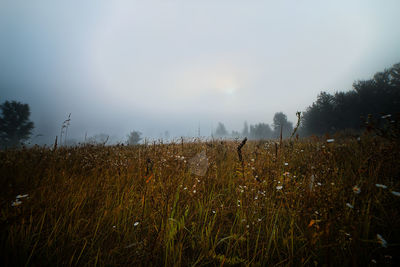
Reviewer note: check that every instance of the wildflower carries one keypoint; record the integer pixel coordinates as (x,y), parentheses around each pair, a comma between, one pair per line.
(256,197)
(386,116)
(252,160)
(319,184)
(185,188)
(397,194)
(381,240)
(213,211)
(356,189)
(136,224)
(279,187)
(259,219)
(349,205)
(247,226)
(286,164)
(330,140)
(194,191)
(21,196)
(381,186)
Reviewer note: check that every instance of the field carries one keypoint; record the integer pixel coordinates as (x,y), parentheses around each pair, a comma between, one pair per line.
(193,203)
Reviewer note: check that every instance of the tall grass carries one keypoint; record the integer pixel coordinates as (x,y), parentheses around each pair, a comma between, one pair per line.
(126,205)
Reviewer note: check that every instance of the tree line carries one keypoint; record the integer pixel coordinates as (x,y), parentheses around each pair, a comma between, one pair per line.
(376,97)
(330,113)
(260,130)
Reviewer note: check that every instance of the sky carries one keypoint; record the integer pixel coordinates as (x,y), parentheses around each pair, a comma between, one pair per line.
(177,66)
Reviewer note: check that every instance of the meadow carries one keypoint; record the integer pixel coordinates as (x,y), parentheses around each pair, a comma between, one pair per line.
(317,202)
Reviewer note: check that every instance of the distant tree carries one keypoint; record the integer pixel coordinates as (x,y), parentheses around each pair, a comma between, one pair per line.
(166,135)
(281,122)
(221,130)
(134,138)
(318,118)
(98,139)
(245,131)
(235,134)
(15,126)
(260,131)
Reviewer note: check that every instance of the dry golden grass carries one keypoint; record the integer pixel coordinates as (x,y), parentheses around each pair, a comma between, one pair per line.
(143,205)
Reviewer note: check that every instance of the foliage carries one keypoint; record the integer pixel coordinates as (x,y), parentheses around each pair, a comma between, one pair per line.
(260,131)
(306,202)
(15,126)
(134,138)
(281,123)
(345,110)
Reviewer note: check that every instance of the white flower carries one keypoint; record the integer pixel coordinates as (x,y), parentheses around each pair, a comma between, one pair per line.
(381,240)
(16,203)
(381,186)
(349,205)
(330,140)
(397,194)
(286,164)
(194,191)
(136,224)
(22,196)
(279,187)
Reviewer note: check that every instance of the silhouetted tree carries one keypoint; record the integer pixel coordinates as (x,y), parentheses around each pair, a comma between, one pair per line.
(260,131)
(134,138)
(343,110)
(281,122)
(15,126)
(221,130)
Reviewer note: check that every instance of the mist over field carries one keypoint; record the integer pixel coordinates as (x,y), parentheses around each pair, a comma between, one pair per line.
(182,67)
(199,133)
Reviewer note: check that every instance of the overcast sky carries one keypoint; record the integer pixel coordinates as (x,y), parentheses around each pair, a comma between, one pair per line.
(173,65)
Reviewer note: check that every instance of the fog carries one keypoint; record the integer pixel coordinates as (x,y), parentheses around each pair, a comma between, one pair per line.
(181,66)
